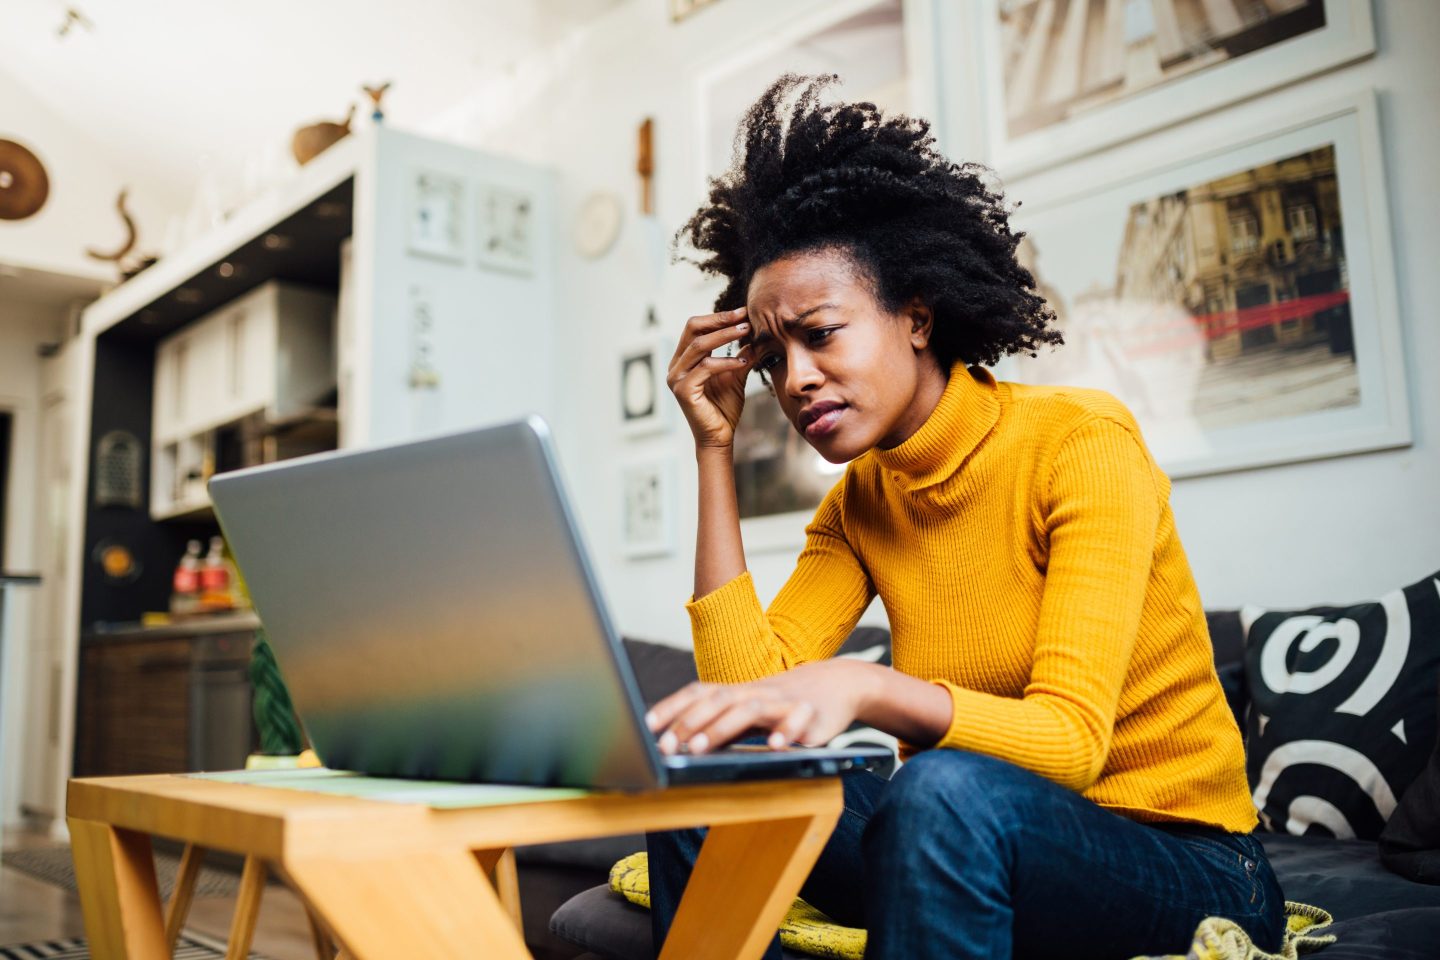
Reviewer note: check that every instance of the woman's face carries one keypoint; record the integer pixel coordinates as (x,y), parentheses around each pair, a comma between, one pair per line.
(848,374)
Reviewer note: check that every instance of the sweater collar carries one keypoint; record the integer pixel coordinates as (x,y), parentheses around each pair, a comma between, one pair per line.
(968,410)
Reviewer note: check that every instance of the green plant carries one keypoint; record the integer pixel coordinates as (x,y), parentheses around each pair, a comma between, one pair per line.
(274,714)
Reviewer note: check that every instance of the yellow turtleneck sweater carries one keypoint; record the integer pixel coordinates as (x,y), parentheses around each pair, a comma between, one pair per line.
(1023,545)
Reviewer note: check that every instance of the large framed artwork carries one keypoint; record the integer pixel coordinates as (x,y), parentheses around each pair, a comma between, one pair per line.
(1241,302)
(779,478)
(1068,77)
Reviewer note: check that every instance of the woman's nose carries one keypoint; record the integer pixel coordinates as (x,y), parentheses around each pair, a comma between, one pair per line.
(801,374)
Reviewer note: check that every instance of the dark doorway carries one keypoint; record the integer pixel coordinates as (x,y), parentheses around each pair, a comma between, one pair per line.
(1334,322)
(1254,295)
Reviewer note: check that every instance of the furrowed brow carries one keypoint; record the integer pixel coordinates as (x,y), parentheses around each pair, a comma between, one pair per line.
(765,336)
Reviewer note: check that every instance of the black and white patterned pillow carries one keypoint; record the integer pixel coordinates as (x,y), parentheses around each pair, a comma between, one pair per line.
(1342,709)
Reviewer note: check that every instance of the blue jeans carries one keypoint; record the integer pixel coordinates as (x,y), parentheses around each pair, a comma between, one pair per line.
(964,856)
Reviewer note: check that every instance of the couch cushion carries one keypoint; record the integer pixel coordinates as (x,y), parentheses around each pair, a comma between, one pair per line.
(660,670)
(1227,636)
(1342,709)
(607,924)
(1393,935)
(597,854)
(1344,877)
(1410,844)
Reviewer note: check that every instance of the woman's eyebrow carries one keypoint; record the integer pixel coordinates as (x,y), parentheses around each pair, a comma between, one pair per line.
(793,322)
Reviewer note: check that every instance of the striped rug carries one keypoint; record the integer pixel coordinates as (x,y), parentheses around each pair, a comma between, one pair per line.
(192,946)
(54,865)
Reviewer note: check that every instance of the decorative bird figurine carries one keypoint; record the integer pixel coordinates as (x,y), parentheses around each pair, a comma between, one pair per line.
(375,93)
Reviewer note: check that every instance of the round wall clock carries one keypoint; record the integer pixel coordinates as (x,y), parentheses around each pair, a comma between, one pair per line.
(597,224)
(24,185)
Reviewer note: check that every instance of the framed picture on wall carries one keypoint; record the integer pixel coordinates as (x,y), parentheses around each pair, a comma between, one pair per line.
(1068,77)
(1241,302)
(435,224)
(647,515)
(505,227)
(645,399)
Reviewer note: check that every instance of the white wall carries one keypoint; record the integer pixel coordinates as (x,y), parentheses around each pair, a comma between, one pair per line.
(80,210)
(1333,530)
(23,327)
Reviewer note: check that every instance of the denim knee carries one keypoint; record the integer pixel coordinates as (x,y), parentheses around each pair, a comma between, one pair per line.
(953,791)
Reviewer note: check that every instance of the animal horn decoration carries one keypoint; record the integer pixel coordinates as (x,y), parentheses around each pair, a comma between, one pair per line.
(130,234)
(375,93)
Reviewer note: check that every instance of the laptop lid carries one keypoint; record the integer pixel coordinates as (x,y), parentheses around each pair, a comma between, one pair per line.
(434,615)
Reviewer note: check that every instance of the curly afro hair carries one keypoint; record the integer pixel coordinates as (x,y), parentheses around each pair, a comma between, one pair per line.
(845,177)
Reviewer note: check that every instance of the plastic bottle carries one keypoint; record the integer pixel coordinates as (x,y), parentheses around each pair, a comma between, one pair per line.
(215,593)
(185,588)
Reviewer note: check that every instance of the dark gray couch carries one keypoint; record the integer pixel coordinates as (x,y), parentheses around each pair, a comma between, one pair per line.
(1379,915)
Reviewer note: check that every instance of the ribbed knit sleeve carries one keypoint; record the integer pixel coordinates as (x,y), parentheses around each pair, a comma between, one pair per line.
(1099,514)
(736,641)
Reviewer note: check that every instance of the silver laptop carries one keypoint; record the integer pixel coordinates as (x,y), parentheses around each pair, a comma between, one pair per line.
(435,617)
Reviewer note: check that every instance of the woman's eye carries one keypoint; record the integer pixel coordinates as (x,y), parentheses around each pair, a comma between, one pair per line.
(767,362)
(821,335)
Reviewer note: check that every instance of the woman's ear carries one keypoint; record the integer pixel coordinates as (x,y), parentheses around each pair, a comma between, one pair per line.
(922,323)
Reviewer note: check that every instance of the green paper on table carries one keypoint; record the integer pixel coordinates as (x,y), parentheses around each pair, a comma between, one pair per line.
(431,793)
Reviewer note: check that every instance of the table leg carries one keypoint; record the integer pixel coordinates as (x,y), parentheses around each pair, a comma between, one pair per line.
(184,892)
(115,872)
(435,904)
(499,866)
(247,909)
(745,879)
(324,946)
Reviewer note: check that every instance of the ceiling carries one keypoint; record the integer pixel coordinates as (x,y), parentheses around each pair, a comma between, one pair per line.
(173,89)
(21,286)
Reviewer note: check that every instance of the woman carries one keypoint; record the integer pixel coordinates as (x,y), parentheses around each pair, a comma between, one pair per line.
(1075,783)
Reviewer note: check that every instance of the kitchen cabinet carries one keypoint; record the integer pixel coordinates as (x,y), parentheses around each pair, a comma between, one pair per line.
(167,700)
(270,352)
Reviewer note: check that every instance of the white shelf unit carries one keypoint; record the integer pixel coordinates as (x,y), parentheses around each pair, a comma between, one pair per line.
(487,333)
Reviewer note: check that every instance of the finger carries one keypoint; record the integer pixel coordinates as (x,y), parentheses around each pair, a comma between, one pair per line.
(707,323)
(693,383)
(698,713)
(793,726)
(744,714)
(664,713)
(689,355)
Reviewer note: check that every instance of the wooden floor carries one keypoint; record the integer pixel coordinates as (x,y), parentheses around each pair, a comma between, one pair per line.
(32,910)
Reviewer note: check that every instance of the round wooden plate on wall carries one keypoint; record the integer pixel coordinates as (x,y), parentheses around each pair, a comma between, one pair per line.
(24,185)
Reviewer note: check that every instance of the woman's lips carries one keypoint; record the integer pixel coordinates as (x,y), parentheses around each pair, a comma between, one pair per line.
(824,424)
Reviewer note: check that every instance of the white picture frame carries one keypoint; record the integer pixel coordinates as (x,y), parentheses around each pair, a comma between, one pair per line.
(1074,224)
(1348,34)
(435,218)
(505,231)
(647,507)
(644,397)
(756,62)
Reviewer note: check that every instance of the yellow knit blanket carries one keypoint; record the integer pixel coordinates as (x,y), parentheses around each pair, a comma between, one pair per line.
(809,931)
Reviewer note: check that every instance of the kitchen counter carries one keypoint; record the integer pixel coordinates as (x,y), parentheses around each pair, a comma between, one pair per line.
(189,627)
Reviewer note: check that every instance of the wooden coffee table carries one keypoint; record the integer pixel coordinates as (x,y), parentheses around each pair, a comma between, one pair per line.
(394,881)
